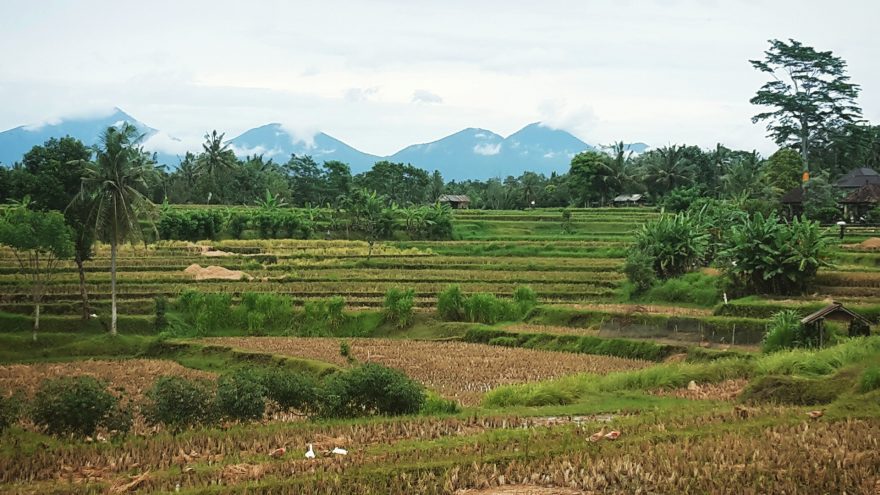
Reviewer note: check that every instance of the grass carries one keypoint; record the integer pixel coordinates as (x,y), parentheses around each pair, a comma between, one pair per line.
(800,362)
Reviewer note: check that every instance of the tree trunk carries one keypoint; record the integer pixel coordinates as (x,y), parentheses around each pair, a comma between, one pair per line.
(113,287)
(82,287)
(36,319)
(805,133)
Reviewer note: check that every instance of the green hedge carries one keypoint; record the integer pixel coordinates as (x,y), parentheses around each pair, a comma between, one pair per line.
(583,344)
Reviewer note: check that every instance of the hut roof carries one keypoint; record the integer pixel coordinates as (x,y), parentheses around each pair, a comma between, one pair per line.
(859,177)
(453,198)
(796,195)
(869,193)
(628,198)
(831,308)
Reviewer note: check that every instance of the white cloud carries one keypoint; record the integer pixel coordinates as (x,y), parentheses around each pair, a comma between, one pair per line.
(360,94)
(424,96)
(301,134)
(487,149)
(163,143)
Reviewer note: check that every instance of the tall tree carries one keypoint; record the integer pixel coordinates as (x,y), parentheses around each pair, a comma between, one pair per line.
(585,176)
(114,186)
(667,168)
(216,159)
(783,169)
(809,95)
(55,171)
(39,240)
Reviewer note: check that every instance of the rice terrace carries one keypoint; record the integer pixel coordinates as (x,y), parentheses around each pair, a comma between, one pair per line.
(282,313)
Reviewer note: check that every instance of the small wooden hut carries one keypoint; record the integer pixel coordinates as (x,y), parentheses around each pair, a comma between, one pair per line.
(836,312)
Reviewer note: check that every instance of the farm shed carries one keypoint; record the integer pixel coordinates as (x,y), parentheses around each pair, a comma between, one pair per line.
(457,201)
(858,324)
(857,178)
(859,202)
(629,200)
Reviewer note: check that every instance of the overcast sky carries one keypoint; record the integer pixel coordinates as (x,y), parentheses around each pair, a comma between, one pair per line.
(381,75)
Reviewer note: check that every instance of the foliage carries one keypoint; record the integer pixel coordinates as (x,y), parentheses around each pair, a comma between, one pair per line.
(398,307)
(784,332)
(39,240)
(436,405)
(639,270)
(486,308)
(870,380)
(768,256)
(322,314)
(450,303)
(241,395)
(809,95)
(690,288)
(189,225)
(370,389)
(291,391)
(179,403)
(161,320)
(820,200)
(783,169)
(792,390)
(260,311)
(72,405)
(10,408)
(524,298)
(676,244)
(206,312)
(681,198)
(586,175)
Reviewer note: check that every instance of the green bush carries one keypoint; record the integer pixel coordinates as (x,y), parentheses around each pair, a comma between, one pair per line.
(525,299)
(205,312)
(675,244)
(398,307)
(450,303)
(695,288)
(504,341)
(870,379)
(322,317)
(178,403)
(436,405)
(241,396)
(370,389)
(639,269)
(291,391)
(792,390)
(161,321)
(260,312)
(783,332)
(9,411)
(119,420)
(72,405)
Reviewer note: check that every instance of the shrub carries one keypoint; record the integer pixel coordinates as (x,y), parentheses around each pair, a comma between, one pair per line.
(675,244)
(504,341)
(435,405)
(119,420)
(525,299)
(259,312)
(870,379)
(345,351)
(177,402)
(72,405)
(322,315)
(696,288)
(450,303)
(241,396)
(768,256)
(370,389)
(206,312)
(399,307)
(783,332)
(639,270)
(792,390)
(291,391)
(486,308)
(9,411)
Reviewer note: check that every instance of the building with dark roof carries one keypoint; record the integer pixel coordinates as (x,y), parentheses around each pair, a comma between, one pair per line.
(858,177)
(858,203)
(457,201)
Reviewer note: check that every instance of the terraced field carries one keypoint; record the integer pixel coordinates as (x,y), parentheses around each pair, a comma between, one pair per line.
(496,252)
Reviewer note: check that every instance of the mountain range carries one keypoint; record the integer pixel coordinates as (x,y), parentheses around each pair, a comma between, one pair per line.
(471,153)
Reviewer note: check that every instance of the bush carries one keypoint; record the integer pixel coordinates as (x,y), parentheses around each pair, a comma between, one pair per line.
(260,312)
(291,391)
(695,288)
(9,411)
(178,403)
(639,270)
(72,405)
(161,321)
(322,316)
(870,379)
(486,308)
(399,307)
(241,396)
(450,303)
(525,299)
(767,256)
(206,312)
(435,405)
(370,389)
(119,420)
(504,341)
(675,244)
(792,390)
(783,332)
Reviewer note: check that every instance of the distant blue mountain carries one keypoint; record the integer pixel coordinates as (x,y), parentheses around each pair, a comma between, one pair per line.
(273,141)
(14,143)
(468,154)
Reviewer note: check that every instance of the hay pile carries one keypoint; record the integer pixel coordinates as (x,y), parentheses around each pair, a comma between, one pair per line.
(215,273)
(872,243)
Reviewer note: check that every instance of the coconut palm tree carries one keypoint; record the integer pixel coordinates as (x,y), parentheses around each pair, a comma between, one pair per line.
(114,186)
(216,158)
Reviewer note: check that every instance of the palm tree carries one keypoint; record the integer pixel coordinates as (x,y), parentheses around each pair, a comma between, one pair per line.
(668,168)
(113,186)
(215,158)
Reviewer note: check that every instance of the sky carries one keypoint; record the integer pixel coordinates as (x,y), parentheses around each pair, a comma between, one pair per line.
(381,75)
